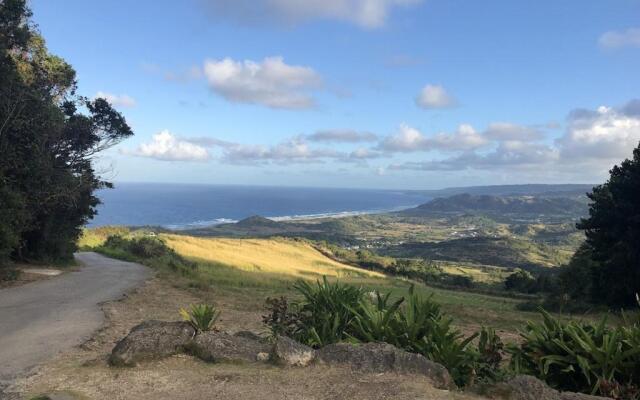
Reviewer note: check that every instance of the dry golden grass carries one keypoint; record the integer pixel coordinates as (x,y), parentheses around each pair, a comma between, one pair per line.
(274,256)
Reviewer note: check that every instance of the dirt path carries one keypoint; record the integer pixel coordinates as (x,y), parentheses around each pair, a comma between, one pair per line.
(41,319)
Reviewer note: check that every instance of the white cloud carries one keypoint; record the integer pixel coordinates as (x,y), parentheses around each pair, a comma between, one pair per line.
(292,151)
(502,131)
(606,134)
(507,155)
(167,147)
(435,96)
(271,83)
(408,139)
(342,136)
(364,13)
(617,39)
(594,141)
(122,100)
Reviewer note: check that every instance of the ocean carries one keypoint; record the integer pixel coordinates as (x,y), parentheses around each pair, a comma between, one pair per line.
(183,206)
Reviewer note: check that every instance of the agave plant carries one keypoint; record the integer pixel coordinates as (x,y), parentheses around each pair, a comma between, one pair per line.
(580,356)
(326,311)
(201,316)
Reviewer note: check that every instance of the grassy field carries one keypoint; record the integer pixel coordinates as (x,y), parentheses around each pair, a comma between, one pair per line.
(250,270)
(285,257)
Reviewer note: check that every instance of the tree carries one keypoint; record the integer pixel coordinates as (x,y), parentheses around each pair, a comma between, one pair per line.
(613,235)
(48,137)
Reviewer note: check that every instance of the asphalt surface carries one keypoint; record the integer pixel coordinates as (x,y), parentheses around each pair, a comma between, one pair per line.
(40,319)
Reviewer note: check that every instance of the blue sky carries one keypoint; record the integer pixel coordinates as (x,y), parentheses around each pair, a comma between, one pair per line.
(359,93)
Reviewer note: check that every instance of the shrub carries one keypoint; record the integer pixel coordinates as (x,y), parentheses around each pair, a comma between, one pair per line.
(201,316)
(580,356)
(281,319)
(9,274)
(333,312)
(326,312)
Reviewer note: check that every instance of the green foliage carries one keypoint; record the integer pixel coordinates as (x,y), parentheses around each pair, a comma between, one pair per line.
(47,181)
(280,318)
(151,251)
(201,316)
(326,312)
(580,356)
(9,274)
(613,234)
(521,281)
(334,312)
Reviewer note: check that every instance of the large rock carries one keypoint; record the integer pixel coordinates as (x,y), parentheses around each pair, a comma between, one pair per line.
(287,351)
(151,340)
(220,346)
(525,387)
(383,357)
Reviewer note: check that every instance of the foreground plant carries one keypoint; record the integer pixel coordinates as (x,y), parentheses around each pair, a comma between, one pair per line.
(201,316)
(580,356)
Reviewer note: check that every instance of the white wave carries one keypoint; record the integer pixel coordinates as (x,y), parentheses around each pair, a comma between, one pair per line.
(285,218)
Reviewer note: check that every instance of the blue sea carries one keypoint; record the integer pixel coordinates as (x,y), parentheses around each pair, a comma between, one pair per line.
(183,206)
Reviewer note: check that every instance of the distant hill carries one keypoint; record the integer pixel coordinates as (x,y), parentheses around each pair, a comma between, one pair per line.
(504,205)
(501,252)
(257,221)
(540,190)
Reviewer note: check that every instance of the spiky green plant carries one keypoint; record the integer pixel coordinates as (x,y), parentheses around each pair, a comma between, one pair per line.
(580,356)
(201,316)
(326,311)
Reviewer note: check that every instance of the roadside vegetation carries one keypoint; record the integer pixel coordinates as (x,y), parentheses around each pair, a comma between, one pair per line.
(48,137)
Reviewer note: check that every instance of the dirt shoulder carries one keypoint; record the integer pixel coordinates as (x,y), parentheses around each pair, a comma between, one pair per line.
(84,370)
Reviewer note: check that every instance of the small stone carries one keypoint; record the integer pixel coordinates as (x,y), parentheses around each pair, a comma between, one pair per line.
(287,351)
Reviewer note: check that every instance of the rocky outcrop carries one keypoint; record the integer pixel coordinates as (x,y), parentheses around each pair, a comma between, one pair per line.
(151,340)
(288,352)
(382,357)
(525,387)
(221,346)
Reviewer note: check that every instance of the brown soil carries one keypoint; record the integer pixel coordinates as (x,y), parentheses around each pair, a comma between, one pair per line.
(85,371)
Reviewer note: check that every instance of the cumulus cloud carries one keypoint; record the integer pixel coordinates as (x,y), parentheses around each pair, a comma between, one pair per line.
(508,154)
(292,151)
(408,139)
(618,39)
(606,134)
(364,13)
(434,96)
(593,141)
(271,83)
(503,131)
(121,100)
(166,146)
(342,136)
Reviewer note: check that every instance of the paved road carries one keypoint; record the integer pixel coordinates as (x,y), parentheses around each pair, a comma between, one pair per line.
(40,319)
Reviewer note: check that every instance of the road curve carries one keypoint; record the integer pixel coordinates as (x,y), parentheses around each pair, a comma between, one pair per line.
(40,319)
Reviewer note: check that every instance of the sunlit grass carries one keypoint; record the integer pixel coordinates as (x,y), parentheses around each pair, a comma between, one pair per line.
(285,257)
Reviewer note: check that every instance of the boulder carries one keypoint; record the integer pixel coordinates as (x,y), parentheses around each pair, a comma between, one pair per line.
(287,351)
(251,335)
(383,357)
(525,387)
(221,346)
(151,340)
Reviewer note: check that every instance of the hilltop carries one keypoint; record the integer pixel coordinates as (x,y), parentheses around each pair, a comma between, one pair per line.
(503,205)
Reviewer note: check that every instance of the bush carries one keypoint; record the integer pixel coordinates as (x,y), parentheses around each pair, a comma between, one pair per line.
(326,314)
(9,274)
(581,356)
(333,312)
(150,251)
(201,316)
